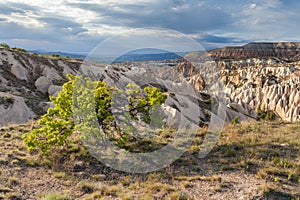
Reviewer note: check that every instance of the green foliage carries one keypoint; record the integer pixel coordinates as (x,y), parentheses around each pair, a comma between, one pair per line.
(7,99)
(94,98)
(19,49)
(265,114)
(235,120)
(4,45)
(56,125)
(55,55)
(141,102)
(100,94)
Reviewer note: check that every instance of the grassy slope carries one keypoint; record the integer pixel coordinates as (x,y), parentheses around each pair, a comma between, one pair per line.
(254,161)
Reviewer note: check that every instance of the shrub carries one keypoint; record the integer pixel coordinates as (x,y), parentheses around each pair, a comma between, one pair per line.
(7,101)
(265,114)
(140,105)
(19,49)
(4,45)
(58,124)
(55,55)
(235,120)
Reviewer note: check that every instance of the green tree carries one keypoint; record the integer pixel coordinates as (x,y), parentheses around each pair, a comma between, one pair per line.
(141,101)
(58,124)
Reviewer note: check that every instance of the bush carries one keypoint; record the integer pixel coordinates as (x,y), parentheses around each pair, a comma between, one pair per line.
(58,124)
(4,45)
(6,101)
(20,49)
(235,120)
(265,114)
(55,55)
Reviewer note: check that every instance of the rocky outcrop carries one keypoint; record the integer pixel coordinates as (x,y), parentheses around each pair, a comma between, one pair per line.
(13,109)
(42,84)
(283,50)
(29,80)
(265,76)
(187,98)
(249,83)
(53,90)
(263,86)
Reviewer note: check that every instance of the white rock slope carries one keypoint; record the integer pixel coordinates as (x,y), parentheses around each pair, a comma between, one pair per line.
(266,84)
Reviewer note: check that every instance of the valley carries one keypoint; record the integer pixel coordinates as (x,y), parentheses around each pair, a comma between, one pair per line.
(251,93)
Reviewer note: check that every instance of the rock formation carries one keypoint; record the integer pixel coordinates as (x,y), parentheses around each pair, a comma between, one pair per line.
(264,86)
(283,50)
(28,80)
(264,76)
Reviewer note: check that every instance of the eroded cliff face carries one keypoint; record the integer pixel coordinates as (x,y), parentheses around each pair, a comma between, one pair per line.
(272,83)
(26,81)
(265,85)
(264,76)
(283,50)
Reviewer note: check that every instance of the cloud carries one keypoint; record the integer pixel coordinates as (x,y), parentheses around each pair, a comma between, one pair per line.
(177,15)
(267,20)
(79,25)
(14,7)
(252,6)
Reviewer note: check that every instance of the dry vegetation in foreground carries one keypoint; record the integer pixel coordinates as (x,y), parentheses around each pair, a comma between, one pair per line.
(251,161)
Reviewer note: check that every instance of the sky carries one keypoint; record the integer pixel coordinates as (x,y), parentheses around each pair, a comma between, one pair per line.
(81,25)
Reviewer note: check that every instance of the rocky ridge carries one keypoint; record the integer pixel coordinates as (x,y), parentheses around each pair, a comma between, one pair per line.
(267,83)
(265,76)
(26,81)
(283,50)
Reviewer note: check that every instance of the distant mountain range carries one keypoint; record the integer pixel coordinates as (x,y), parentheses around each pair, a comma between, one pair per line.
(287,50)
(147,54)
(148,57)
(61,54)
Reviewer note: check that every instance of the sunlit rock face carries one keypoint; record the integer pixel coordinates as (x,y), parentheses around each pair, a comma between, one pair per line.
(263,76)
(273,86)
